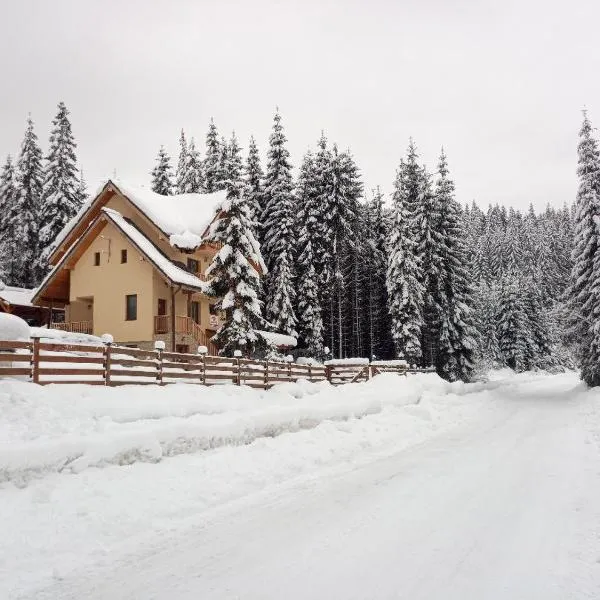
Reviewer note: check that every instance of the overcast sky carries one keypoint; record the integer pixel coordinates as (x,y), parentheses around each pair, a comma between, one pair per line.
(500,84)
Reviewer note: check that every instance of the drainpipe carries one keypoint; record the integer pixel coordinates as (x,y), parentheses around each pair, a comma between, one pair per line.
(173,292)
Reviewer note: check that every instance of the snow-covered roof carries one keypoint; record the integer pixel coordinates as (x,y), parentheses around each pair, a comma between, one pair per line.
(280,340)
(16,296)
(182,217)
(171,271)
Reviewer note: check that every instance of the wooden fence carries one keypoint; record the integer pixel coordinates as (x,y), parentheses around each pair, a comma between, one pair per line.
(49,362)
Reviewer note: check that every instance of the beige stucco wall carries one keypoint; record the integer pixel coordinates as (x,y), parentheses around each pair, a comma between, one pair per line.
(109,284)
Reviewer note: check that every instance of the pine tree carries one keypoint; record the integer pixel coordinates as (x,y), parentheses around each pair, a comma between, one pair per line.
(222,169)
(233,167)
(310,320)
(60,199)
(192,180)
(452,293)
(584,290)
(82,192)
(24,218)
(253,191)
(234,278)
(211,163)
(278,220)
(378,322)
(181,173)
(162,174)
(9,261)
(404,277)
(513,332)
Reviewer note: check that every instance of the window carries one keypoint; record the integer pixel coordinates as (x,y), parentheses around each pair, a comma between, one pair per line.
(182,348)
(123,256)
(195,311)
(212,308)
(131,307)
(162,307)
(96,259)
(192,265)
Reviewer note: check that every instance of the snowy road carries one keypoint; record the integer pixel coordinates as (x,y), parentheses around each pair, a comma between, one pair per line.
(504,507)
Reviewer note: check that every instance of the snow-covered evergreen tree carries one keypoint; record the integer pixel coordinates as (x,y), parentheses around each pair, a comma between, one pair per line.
(310,320)
(404,276)
(452,293)
(60,199)
(279,243)
(25,214)
(181,173)
(222,172)
(253,177)
(82,191)
(192,179)
(9,254)
(513,333)
(162,174)
(211,164)
(584,290)
(232,165)
(377,316)
(233,275)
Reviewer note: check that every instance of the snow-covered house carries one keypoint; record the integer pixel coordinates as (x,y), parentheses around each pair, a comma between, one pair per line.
(132,264)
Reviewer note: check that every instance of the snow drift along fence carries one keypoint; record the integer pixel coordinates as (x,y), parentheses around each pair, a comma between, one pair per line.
(52,362)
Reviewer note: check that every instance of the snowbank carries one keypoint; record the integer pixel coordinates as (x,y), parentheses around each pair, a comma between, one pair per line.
(341,362)
(71,428)
(13,328)
(66,337)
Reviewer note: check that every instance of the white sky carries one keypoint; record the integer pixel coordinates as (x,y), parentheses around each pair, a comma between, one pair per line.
(499,83)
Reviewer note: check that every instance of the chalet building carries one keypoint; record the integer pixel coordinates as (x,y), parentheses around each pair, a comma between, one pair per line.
(132,263)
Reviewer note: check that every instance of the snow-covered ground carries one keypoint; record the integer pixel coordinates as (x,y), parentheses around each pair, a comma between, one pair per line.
(401,487)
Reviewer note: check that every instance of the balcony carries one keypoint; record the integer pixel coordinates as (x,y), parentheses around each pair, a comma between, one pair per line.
(75,327)
(185,326)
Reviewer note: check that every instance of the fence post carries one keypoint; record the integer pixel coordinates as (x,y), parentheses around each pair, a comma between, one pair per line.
(309,372)
(237,378)
(266,381)
(107,362)
(328,373)
(159,346)
(203,351)
(35,360)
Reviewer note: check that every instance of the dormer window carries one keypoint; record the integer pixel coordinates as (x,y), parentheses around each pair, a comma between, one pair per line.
(96,259)
(193,266)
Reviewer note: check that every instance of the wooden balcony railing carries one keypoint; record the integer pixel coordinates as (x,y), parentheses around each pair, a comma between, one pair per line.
(185,326)
(75,326)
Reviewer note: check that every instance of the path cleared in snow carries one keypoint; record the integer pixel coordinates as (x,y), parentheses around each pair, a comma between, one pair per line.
(493,495)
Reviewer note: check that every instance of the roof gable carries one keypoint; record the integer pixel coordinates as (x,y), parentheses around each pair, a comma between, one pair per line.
(183,219)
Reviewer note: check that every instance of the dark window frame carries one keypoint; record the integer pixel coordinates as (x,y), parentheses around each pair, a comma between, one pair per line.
(193,265)
(131,310)
(96,259)
(123,256)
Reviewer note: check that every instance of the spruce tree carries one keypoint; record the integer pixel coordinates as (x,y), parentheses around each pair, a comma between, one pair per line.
(9,261)
(310,320)
(278,221)
(60,199)
(584,289)
(222,168)
(233,275)
(181,173)
(253,177)
(452,293)
(192,182)
(24,218)
(211,164)
(233,167)
(404,276)
(162,174)
(513,332)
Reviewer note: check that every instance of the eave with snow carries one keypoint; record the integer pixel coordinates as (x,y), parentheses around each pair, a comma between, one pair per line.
(18,301)
(129,242)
